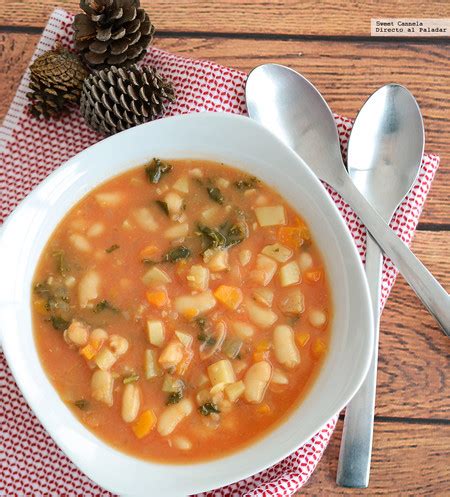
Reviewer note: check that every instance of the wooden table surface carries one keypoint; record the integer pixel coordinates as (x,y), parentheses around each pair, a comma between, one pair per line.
(330,43)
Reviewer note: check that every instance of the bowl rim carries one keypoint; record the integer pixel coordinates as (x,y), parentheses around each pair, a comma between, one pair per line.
(239,123)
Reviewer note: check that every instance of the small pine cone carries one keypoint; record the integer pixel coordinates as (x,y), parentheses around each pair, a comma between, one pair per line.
(56,80)
(112,32)
(115,99)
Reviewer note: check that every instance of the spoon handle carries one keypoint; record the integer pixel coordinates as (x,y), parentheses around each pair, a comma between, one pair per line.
(356,442)
(427,288)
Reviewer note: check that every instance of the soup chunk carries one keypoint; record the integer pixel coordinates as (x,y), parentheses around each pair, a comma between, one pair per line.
(181,310)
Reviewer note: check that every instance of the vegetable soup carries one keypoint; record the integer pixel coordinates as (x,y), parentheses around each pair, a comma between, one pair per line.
(181,310)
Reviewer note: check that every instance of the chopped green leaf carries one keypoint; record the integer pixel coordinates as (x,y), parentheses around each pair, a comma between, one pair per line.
(156,169)
(207,339)
(247,183)
(174,397)
(225,236)
(130,378)
(59,323)
(208,408)
(163,205)
(44,290)
(61,263)
(177,254)
(236,233)
(215,194)
(213,238)
(202,323)
(104,305)
(112,248)
(82,404)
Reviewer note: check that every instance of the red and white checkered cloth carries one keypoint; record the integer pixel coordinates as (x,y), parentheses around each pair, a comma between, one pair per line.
(31,463)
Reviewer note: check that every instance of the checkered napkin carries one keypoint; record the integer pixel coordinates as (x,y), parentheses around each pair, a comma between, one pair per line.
(31,463)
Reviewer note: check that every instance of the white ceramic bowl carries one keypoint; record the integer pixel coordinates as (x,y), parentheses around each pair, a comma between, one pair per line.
(237,141)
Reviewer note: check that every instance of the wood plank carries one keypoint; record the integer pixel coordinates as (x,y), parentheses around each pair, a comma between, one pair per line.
(307,17)
(407,460)
(345,72)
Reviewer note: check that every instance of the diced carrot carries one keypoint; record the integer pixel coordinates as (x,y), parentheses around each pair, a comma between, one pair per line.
(157,298)
(318,348)
(40,307)
(191,313)
(231,296)
(304,230)
(302,338)
(90,350)
(260,356)
(148,252)
(144,424)
(314,275)
(290,236)
(263,409)
(263,345)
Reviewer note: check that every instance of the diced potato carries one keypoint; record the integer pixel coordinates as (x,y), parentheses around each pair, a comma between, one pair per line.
(105,359)
(156,276)
(293,302)
(243,330)
(305,261)
(256,380)
(221,372)
(80,242)
(235,390)
(196,172)
(109,199)
(279,377)
(194,305)
(177,231)
(245,256)
(131,401)
(151,367)
(230,296)
(217,388)
(182,184)
(284,345)
(210,216)
(173,415)
(184,338)
(96,229)
(262,317)
(290,274)
(198,278)
(172,384)
(145,219)
(263,296)
(317,318)
(102,384)
(77,334)
(155,330)
(264,271)
(174,204)
(217,260)
(270,215)
(171,355)
(278,252)
(88,288)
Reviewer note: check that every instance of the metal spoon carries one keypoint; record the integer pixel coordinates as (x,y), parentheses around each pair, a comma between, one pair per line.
(384,156)
(292,108)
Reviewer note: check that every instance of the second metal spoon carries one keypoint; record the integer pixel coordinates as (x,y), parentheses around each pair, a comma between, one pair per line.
(383,174)
(294,110)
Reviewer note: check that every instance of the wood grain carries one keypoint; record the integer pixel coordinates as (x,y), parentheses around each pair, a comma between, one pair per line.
(346,73)
(294,17)
(408,460)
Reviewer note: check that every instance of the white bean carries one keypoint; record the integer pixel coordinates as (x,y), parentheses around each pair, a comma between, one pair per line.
(102,383)
(88,288)
(279,377)
(182,443)
(118,344)
(261,316)
(109,199)
(173,415)
(317,318)
(131,401)
(99,335)
(145,219)
(305,261)
(77,334)
(256,380)
(80,242)
(96,229)
(284,346)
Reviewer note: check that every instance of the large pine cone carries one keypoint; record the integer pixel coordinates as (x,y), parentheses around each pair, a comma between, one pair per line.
(115,99)
(56,81)
(112,32)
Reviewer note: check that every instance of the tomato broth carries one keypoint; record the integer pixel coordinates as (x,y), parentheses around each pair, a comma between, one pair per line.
(181,310)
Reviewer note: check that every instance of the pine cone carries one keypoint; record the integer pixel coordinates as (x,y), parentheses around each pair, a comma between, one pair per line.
(56,81)
(112,32)
(115,99)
